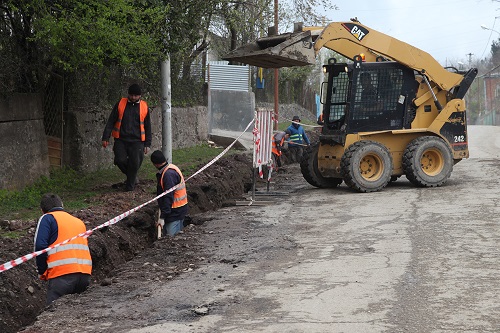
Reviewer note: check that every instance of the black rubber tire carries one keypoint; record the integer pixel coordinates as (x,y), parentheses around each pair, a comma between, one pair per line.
(367,166)
(428,161)
(310,171)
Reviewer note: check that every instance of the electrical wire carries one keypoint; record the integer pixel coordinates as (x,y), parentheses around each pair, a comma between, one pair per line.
(489,38)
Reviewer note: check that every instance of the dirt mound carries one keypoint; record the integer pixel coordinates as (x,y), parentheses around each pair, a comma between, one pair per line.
(22,294)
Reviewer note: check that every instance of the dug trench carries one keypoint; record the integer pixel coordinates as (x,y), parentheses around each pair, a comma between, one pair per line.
(22,294)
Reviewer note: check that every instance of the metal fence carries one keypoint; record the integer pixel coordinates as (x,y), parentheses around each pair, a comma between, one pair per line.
(53,101)
(229,77)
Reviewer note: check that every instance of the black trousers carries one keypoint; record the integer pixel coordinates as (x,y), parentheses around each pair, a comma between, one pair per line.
(128,158)
(74,283)
(295,153)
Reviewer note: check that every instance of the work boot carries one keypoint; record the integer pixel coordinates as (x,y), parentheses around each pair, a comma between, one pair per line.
(119,185)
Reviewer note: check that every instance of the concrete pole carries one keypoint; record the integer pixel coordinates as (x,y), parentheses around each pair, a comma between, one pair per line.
(276,72)
(166,108)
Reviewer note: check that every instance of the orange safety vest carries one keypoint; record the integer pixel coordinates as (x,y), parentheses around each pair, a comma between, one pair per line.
(180,193)
(143,108)
(275,150)
(72,257)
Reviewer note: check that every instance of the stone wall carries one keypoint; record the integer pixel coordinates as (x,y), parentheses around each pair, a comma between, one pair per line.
(23,148)
(83,133)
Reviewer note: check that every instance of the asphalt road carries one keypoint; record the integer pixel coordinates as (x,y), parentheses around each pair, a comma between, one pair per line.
(406,259)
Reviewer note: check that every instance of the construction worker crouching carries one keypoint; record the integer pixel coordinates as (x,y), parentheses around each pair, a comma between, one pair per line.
(66,267)
(174,205)
(277,146)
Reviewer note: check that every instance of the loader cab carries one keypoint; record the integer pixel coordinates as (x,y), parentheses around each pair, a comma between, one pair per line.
(366,97)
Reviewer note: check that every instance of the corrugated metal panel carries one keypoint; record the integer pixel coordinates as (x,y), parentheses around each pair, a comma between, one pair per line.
(229,77)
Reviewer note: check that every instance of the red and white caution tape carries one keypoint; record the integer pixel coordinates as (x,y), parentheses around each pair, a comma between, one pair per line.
(263,135)
(13,263)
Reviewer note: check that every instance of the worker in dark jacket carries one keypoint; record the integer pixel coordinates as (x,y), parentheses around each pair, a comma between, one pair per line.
(297,139)
(66,267)
(173,205)
(130,126)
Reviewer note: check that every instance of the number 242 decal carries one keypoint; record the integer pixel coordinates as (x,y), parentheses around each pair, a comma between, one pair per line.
(459,138)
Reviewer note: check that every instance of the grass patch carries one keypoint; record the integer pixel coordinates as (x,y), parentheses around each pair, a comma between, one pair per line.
(12,234)
(75,187)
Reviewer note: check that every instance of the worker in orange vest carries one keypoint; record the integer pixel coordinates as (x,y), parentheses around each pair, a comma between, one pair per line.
(130,125)
(174,205)
(320,119)
(67,267)
(279,139)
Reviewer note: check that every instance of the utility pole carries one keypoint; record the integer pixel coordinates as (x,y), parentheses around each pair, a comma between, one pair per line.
(276,72)
(166,107)
(470,58)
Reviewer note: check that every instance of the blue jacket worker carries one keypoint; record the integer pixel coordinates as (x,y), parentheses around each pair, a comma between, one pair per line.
(298,138)
(174,205)
(67,267)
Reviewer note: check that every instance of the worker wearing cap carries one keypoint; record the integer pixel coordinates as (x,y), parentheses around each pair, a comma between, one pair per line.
(298,139)
(130,126)
(173,205)
(68,266)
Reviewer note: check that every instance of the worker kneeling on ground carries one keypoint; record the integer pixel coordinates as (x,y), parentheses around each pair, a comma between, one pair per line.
(66,267)
(173,205)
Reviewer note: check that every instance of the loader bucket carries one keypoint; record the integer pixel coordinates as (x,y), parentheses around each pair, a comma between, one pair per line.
(285,50)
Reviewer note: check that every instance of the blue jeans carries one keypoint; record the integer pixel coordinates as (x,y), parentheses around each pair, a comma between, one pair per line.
(172,228)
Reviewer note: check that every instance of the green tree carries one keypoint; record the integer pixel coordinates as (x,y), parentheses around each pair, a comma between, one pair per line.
(89,37)
(64,36)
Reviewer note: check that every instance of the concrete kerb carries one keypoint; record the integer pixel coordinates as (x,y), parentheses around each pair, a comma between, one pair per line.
(225,138)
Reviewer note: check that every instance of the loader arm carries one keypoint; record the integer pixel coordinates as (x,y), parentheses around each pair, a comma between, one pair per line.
(353,38)
(346,38)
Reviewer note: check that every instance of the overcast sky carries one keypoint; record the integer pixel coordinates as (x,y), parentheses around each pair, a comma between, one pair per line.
(446,29)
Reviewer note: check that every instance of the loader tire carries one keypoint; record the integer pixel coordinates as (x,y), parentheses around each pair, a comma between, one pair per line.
(428,161)
(310,171)
(367,166)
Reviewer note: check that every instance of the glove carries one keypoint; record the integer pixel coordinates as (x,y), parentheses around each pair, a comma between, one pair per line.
(146,149)
(105,144)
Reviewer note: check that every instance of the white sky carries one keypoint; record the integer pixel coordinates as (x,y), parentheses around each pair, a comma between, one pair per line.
(446,29)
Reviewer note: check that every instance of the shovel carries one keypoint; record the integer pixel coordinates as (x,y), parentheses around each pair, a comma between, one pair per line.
(158,227)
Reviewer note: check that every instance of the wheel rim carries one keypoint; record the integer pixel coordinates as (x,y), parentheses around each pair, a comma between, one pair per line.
(371,167)
(432,162)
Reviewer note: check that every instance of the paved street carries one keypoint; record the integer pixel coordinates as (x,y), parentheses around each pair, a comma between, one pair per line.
(402,260)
